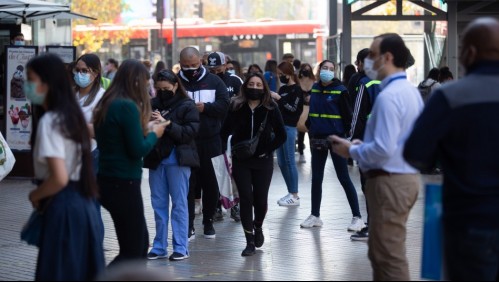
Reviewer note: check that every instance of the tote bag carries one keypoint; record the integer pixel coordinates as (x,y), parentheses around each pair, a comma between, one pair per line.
(432,258)
(7,159)
(222,164)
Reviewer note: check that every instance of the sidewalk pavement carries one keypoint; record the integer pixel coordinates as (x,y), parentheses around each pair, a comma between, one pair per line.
(289,253)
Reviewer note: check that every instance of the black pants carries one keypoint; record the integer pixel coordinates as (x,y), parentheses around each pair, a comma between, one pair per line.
(253,179)
(205,177)
(123,199)
(363,181)
(301,142)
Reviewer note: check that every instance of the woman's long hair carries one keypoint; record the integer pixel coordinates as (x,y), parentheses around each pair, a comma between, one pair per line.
(237,67)
(288,69)
(159,67)
(240,100)
(302,68)
(94,64)
(130,82)
(172,78)
(60,100)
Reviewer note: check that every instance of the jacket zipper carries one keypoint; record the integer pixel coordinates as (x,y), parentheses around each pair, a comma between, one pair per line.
(252,122)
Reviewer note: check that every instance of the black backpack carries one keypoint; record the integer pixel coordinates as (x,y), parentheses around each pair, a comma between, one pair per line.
(425,90)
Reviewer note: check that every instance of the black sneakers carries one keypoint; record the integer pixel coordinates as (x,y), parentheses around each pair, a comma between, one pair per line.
(178,257)
(192,234)
(362,235)
(259,238)
(249,251)
(235,213)
(153,256)
(209,231)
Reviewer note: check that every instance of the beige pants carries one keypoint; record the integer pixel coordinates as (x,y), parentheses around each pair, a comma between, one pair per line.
(390,200)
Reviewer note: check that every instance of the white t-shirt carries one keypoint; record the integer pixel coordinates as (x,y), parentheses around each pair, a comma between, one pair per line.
(50,143)
(88,111)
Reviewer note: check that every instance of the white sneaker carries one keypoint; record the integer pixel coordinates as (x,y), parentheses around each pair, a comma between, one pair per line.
(198,208)
(356,225)
(302,159)
(312,221)
(289,200)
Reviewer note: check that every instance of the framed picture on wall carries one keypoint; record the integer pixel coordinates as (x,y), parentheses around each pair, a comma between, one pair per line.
(66,53)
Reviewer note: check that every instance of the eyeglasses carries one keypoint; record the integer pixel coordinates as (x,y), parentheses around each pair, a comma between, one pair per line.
(83,71)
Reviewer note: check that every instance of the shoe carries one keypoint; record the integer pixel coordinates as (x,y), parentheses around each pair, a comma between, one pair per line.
(312,221)
(178,257)
(153,256)
(259,238)
(362,235)
(350,161)
(192,234)
(235,213)
(218,216)
(289,200)
(209,231)
(356,225)
(249,251)
(198,208)
(302,159)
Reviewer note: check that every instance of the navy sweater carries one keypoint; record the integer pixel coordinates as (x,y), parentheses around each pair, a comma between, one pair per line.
(460,128)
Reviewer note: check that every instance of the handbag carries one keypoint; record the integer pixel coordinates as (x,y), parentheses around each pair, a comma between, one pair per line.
(246,149)
(32,230)
(229,195)
(320,144)
(7,159)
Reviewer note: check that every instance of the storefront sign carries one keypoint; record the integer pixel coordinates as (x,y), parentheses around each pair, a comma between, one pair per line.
(17,107)
(66,53)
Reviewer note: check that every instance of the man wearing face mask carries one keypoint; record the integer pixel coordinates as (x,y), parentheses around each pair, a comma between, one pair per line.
(18,40)
(459,129)
(212,101)
(217,65)
(392,185)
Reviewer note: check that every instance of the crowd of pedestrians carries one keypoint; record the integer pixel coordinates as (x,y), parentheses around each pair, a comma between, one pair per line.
(98,127)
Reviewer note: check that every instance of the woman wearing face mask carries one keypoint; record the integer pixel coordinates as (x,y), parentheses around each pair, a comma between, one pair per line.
(70,240)
(291,107)
(124,136)
(307,79)
(247,114)
(87,77)
(170,165)
(329,113)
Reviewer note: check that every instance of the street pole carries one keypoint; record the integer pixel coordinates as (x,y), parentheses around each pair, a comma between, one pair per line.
(175,39)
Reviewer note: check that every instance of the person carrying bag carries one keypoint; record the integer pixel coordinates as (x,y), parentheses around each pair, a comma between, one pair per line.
(7,159)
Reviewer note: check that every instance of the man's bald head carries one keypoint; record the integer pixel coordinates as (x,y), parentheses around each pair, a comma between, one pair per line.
(480,42)
(190,58)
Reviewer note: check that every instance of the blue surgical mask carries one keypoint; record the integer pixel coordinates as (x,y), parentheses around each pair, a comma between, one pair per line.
(30,92)
(82,80)
(19,43)
(326,75)
(231,71)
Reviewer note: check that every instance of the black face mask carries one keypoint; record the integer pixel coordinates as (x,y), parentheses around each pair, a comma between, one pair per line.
(305,73)
(165,95)
(191,74)
(254,94)
(221,75)
(283,79)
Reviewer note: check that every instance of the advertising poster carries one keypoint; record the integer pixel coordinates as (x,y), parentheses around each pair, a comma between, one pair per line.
(18,108)
(66,53)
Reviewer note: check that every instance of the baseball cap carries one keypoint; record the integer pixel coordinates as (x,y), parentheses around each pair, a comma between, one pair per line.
(216,59)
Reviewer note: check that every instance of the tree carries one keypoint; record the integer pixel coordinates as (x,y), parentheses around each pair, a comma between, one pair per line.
(106,12)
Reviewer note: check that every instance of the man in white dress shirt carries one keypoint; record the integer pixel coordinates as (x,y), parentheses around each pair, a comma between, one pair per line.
(392,184)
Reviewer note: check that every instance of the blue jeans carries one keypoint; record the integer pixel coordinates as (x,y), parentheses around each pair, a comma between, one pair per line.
(319,159)
(170,180)
(472,254)
(287,162)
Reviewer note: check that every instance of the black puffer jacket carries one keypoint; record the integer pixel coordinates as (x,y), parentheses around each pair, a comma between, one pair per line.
(180,134)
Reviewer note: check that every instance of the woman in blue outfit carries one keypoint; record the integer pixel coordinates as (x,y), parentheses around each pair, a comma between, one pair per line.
(70,242)
(291,106)
(329,114)
(170,165)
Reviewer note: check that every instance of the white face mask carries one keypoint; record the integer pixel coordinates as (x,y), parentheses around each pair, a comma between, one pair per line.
(369,69)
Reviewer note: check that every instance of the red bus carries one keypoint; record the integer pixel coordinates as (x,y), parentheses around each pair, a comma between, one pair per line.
(247,42)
